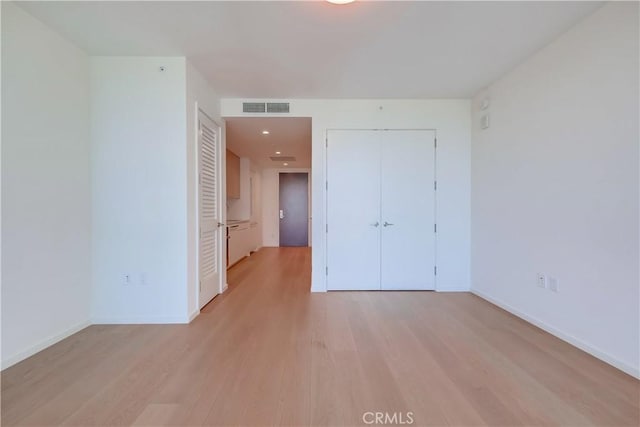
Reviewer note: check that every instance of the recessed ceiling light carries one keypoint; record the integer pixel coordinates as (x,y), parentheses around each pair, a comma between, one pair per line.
(265,132)
(340,1)
(286,164)
(277,152)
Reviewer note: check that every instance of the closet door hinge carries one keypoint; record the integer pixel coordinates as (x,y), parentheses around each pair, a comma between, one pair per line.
(326,185)
(435,185)
(326,228)
(435,142)
(326,271)
(435,228)
(435,270)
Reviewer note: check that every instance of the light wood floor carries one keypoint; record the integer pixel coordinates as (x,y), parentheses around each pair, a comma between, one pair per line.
(268,352)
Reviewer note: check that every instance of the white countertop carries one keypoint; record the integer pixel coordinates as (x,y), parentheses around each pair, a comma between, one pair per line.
(236,221)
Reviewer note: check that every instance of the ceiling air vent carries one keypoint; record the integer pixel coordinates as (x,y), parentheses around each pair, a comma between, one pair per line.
(277,107)
(283,158)
(253,107)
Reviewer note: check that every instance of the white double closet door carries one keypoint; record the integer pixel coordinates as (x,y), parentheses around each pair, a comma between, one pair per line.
(380,210)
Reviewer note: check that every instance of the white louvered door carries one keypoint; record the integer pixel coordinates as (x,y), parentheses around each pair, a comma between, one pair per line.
(209,209)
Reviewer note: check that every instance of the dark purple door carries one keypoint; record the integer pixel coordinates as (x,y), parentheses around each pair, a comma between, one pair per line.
(294,209)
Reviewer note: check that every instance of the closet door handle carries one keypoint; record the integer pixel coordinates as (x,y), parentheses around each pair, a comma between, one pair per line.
(375,224)
(387,224)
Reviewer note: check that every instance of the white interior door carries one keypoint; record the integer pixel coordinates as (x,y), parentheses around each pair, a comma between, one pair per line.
(353,210)
(407,210)
(209,209)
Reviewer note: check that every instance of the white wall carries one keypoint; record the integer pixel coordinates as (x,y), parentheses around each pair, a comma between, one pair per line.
(200,95)
(240,209)
(271,205)
(139,189)
(555,187)
(46,233)
(256,208)
(450,118)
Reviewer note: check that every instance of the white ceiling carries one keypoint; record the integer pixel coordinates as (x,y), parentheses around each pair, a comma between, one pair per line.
(313,49)
(289,135)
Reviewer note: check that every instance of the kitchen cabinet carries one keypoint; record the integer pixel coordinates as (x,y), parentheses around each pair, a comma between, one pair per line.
(239,241)
(233,175)
(237,246)
(243,239)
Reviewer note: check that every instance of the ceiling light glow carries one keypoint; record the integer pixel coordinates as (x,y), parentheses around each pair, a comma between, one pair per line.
(265,132)
(286,164)
(340,1)
(277,152)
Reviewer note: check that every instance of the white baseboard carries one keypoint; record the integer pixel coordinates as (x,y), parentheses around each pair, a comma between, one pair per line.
(224,289)
(318,289)
(30,351)
(452,288)
(136,320)
(194,315)
(634,371)
(438,289)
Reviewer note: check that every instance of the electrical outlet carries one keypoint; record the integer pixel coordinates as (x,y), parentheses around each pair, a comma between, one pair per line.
(126,279)
(484,121)
(554,284)
(541,280)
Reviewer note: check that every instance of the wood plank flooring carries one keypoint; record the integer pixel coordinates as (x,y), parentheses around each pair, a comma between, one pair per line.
(267,352)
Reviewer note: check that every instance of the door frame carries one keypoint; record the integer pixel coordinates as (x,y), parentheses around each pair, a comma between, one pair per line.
(221,195)
(306,171)
(326,192)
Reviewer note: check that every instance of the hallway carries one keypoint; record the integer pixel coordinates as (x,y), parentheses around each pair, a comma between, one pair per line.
(267,352)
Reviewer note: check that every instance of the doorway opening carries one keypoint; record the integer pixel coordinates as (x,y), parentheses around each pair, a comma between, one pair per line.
(268,202)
